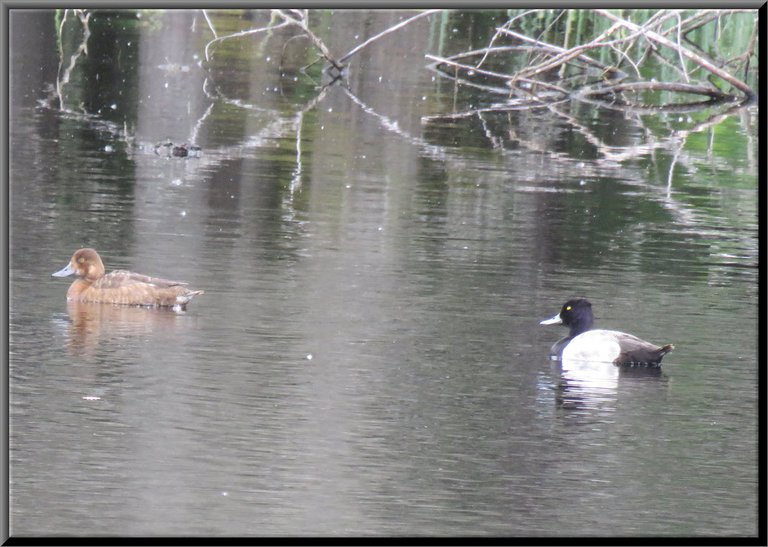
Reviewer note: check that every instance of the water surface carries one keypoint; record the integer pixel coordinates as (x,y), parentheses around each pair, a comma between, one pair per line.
(367,358)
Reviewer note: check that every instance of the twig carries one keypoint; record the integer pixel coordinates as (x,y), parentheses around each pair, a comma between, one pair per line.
(458,80)
(285,46)
(574,52)
(499,33)
(695,21)
(241,33)
(713,93)
(679,52)
(398,26)
(498,75)
(210,23)
(469,68)
(585,58)
(319,44)
(627,58)
(744,57)
(62,77)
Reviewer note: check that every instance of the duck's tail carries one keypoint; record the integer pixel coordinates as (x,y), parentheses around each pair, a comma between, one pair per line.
(183,299)
(648,356)
(663,350)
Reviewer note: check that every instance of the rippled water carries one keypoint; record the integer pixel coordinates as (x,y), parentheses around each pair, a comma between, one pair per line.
(367,357)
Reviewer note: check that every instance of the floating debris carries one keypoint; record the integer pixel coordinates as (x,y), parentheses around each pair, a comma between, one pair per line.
(185,150)
(174,67)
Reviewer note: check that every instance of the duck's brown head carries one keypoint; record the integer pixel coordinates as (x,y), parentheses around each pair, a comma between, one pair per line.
(85,263)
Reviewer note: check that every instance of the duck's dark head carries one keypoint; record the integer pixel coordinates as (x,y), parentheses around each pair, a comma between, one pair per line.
(575,314)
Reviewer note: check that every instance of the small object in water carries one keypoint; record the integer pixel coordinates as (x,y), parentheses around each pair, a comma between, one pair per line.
(181,151)
(169,149)
(163,147)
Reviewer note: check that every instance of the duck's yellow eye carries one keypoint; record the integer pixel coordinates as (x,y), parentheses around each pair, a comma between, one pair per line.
(567,308)
(80,260)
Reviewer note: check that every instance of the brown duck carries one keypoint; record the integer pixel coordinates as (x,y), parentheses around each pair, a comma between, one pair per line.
(121,286)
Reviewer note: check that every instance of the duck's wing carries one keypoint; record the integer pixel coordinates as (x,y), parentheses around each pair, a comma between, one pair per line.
(635,351)
(124,278)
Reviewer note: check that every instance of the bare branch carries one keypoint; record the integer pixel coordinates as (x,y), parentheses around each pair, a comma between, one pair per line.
(319,44)
(241,33)
(389,30)
(711,92)
(585,58)
(697,59)
(679,45)
(210,23)
(506,77)
(499,33)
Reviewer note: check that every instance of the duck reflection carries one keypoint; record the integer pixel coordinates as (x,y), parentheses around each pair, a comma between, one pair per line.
(594,385)
(92,323)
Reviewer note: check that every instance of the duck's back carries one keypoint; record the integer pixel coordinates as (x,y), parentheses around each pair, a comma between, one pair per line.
(614,346)
(125,278)
(125,287)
